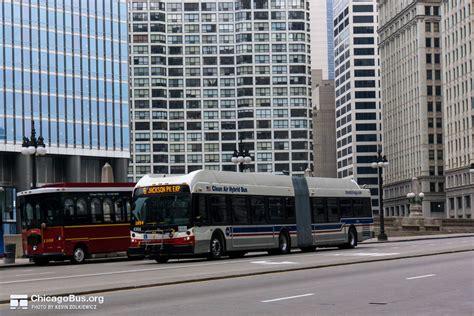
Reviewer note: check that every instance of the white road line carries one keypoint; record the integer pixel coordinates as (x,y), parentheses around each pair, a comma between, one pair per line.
(34,273)
(112,273)
(421,276)
(287,298)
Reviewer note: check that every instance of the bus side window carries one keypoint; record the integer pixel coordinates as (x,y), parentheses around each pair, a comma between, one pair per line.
(218,209)
(358,207)
(345,206)
(108,208)
(276,210)
(290,210)
(333,210)
(200,210)
(81,211)
(239,210)
(96,211)
(257,207)
(319,210)
(119,210)
(128,209)
(68,210)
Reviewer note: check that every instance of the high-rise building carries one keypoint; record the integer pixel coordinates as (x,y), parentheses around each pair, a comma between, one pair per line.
(64,66)
(322,38)
(458,104)
(207,73)
(357,84)
(324,125)
(410,53)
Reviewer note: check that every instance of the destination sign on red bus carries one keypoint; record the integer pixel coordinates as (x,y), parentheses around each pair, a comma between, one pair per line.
(162,189)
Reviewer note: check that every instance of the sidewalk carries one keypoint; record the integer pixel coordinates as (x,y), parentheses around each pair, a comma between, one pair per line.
(23,262)
(420,237)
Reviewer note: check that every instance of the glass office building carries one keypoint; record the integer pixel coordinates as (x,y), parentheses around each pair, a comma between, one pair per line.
(64,65)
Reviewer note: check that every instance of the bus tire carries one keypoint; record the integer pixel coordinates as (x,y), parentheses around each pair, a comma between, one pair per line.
(79,255)
(284,245)
(41,261)
(351,239)
(216,247)
(162,259)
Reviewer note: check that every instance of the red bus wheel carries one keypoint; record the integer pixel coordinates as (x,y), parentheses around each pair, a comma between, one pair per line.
(79,255)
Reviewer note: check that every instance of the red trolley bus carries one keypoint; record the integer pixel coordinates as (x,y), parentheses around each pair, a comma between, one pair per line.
(75,221)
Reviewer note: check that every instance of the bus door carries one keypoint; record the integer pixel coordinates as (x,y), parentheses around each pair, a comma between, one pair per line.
(51,227)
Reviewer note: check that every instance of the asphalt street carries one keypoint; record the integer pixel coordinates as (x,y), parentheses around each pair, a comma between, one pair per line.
(431,285)
(97,277)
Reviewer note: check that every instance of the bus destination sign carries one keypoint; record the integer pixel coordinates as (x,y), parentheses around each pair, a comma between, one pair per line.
(162,189)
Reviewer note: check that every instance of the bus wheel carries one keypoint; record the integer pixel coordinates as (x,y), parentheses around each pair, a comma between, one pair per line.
(216,247)
(283,243)
(41,261)
(79,255)
(162,259)
(351,240)
(352,243)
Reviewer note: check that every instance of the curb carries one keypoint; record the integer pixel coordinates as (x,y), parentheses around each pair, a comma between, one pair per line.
(234,276)
(427,237)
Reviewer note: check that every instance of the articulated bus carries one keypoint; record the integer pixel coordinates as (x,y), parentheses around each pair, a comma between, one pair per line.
(214,213)
(76,221)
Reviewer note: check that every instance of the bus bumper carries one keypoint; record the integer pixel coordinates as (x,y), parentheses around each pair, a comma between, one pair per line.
(166,250)
(50,256)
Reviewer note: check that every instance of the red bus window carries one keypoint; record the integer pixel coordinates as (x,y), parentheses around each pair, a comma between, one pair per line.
(119,210)
(96,210)
(108,209)
(81,207)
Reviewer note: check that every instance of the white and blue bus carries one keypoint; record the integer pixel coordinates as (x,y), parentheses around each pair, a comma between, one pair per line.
(217,213)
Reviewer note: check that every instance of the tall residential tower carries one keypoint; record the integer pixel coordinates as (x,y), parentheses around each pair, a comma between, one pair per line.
(358,122)
(207,73)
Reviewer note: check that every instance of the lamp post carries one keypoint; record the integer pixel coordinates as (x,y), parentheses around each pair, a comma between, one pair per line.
(415,200)
(241,156)
(35,147)
(380,164)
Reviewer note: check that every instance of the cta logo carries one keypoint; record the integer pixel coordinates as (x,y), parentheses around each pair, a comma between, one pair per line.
(18,301)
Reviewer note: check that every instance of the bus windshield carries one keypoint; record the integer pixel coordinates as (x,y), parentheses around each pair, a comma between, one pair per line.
(163,209)
(34,212)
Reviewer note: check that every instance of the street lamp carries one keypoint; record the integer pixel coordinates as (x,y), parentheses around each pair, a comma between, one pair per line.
(33,146)
(380,164)
(241,156)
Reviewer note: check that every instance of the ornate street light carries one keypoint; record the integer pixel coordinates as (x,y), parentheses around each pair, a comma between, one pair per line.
(35,147)
(415,198)
(241,156)
(381,163)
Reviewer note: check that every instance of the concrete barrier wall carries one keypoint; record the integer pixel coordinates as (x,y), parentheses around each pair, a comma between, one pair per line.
(402,226)
(14,239)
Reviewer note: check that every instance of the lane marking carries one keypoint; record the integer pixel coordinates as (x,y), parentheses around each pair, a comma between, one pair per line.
(19,275)
(273,262)
(364,254)
(287,298)
(110,273)
(421,276)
